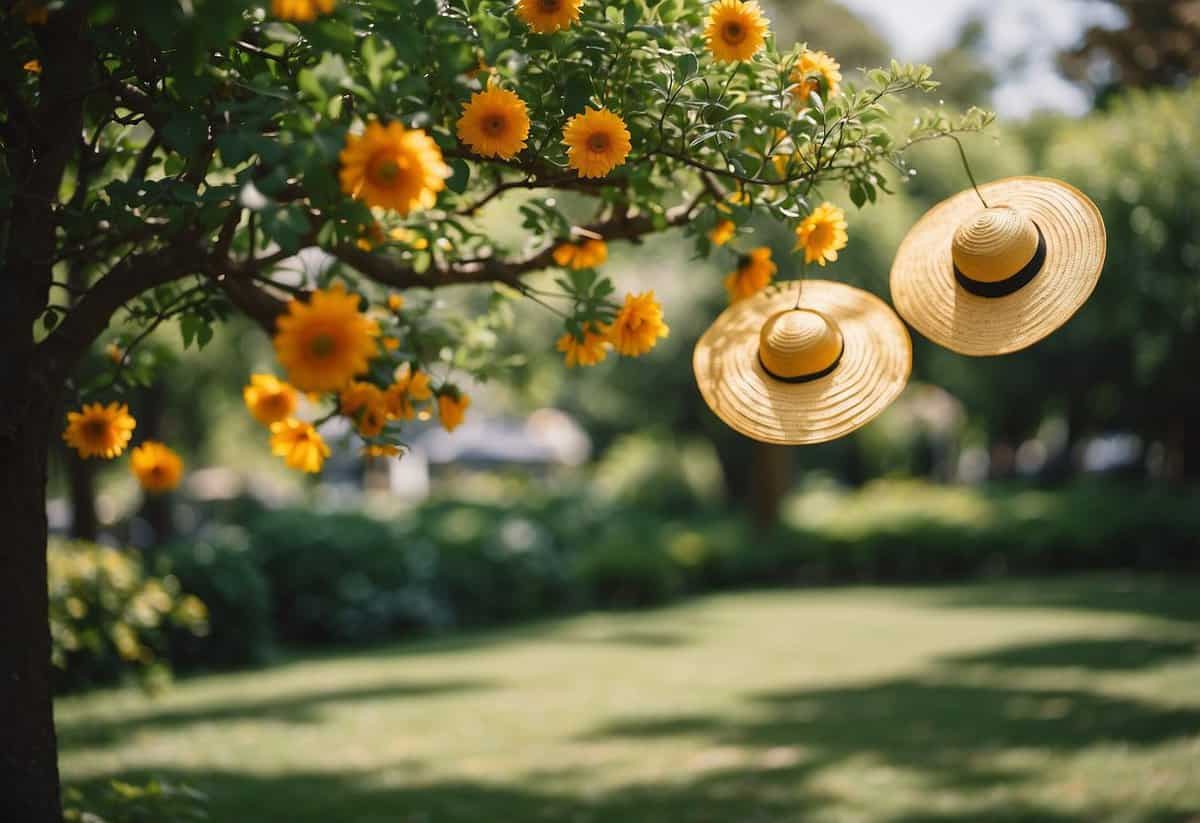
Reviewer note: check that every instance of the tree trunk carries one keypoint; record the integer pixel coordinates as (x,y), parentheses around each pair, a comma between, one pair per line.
(28,749)
(81,475)
(770,480)
(156,508)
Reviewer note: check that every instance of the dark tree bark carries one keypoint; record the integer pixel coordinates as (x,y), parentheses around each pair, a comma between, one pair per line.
(81,477)
(39,144)
(770,479)
(156,508)
(28,750)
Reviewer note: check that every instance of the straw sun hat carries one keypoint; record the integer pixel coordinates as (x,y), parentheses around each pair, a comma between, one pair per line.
(995,280)
(804,363)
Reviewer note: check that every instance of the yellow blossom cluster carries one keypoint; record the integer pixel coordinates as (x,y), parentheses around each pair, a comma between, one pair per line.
(104,431)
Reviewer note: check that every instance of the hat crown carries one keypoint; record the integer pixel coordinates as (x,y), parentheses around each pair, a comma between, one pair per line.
(994,244)
(798,343)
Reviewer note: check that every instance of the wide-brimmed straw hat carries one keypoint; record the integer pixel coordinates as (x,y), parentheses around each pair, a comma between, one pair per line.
(798,371)
(995,280)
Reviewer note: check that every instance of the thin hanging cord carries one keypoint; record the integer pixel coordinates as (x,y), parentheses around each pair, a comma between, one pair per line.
(967,168)
(800,284)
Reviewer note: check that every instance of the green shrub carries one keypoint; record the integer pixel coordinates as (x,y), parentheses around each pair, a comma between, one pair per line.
(494,566)
(345,577)
(109,618)
(218,567)
(120,802)
(627,566)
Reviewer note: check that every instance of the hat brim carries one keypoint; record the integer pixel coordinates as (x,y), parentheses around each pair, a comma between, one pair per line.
(874,368)
(927,295)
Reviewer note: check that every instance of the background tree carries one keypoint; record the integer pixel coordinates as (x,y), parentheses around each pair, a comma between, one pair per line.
(174,154)
(1156,44)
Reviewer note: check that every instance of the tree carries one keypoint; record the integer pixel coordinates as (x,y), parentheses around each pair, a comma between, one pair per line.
(172,155)
(1156,44)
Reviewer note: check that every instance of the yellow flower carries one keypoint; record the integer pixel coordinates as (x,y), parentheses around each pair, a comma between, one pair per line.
(390,343)
(269,399)
(409,387)
(452,408)
(365,403)
(815,71)
(157,468)
(299,444)
(723,232)
(114,353)
(638,326)
(822,234)
(495,123)
(409,238)
(735,30)
(99,431)
(589,351)
(548,16)
(586,255)
(753,274)
(371,451)
(395,302)
(33,67)
(301,11)
(393,167)
(325,342)
(597,142)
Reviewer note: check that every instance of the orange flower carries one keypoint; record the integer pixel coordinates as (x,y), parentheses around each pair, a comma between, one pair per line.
(269,399)
(299,444)
(589,350)
(393,167)
(638,326)
(158,469)
(723,232)
(409,387)
(586,255)
(452,408)
(753,274)
(99,431)
(325,342)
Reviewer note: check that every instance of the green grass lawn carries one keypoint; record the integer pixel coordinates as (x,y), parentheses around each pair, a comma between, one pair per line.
(1074,700)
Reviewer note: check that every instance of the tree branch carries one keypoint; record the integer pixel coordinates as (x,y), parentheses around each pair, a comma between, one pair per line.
(623,226)
(91,314)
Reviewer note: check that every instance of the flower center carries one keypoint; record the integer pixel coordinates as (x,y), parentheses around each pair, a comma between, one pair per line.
(385,169)
(95,429)
(322,346)
(494,124)
(599,142)
(550,6)
(820,235)
(733,32)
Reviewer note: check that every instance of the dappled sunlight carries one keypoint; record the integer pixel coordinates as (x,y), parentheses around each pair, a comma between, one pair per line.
(895,705)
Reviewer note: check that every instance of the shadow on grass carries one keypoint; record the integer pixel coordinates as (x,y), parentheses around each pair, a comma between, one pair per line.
(938,728)
(1142,595)
(1096,653)
(302,708)
(784,795)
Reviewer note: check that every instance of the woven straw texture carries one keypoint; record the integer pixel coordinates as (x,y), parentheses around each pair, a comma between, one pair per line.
(873,371)
(927,295)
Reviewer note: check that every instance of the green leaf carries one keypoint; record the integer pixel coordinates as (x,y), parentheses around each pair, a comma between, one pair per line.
(286,225)
(457,182)
(687,64)
(185,132)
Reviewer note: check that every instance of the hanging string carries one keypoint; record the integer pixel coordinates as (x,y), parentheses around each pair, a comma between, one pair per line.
(800,284)
(967,168)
